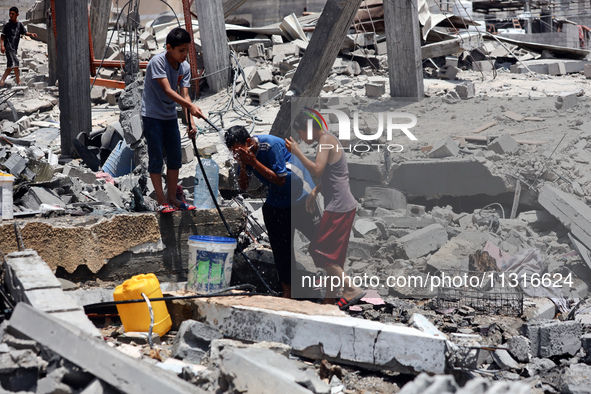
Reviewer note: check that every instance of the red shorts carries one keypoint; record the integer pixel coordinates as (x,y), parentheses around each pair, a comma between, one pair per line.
(332,238)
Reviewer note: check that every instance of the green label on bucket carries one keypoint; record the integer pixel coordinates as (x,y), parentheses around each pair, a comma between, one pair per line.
(216,273)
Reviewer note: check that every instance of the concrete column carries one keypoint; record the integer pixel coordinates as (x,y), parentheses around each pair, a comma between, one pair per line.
(403,37)
(99,23)
(216,54)
(73,72)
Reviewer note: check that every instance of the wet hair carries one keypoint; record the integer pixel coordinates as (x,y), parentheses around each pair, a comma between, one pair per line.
(13,9)
(178,36)
(236,135)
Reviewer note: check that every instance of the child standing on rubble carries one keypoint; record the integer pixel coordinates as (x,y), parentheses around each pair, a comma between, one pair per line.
(166,72)
(328,247)
(289,185)
(9,39)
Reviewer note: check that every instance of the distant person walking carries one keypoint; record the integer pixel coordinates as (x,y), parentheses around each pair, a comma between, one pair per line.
(329,247)
(11,35)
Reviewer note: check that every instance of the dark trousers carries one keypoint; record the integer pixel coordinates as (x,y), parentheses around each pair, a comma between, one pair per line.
(281,224)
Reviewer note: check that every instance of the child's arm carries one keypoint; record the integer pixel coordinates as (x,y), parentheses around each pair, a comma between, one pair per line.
(32,35)
(324,148)
(191,131)
(177,98)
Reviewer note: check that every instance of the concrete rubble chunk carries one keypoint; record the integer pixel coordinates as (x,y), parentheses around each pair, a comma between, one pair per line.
(553,338)
(85,176)
(503,144)
(444,148)
(587,71)
(39,195)
(421,242)
(573,213)
(448,72)
(122,372)
(576,379)
(193,340)
(566,101)
(256,50)
(255,370)
(465,90)
(374,89)
(504,359)
(259,76)
(381,197)
(425,384)
(520,348)
(363,226)
(133,133)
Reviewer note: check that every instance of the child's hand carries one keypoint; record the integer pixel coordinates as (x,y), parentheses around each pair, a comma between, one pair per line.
(192,132)
(196,111)
(244,156)
(292,145)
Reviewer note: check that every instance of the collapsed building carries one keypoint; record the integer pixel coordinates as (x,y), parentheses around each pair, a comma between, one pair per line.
(496,187)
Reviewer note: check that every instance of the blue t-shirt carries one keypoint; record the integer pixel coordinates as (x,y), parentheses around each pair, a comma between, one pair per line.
(155,103)
(273,154)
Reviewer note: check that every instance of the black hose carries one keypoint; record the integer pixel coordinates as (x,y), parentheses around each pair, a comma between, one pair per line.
(218,206)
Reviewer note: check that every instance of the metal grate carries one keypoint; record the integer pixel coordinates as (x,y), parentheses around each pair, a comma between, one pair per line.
(489,297)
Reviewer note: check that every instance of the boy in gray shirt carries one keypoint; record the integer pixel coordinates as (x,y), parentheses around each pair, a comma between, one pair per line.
(11,35)
(166,72)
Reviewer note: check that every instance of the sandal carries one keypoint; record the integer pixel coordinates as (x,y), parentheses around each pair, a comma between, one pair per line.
(186,207)
(344,303)
(166,208)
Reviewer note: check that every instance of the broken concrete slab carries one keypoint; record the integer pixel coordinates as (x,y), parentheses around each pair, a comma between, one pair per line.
(566,101)
(336,337)
(454,177)
(465,90)
(375,89)
(453,256)
(421,242)
(553,338)
(122,372)
(575,379)
(573,213)
(255,370)
(381,197)
(520,348)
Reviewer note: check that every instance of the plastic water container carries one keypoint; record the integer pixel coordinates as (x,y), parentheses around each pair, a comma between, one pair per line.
(210,263)
(120,161)
(202,197)
(6,211)
(136,317)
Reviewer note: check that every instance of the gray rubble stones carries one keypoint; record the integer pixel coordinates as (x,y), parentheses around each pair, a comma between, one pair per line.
(503,144)
(539,366)
(421,242)
(87,177)
(482,65)
(553,338)
(375,89)
(425,384)
(566,101)
(133,133)
(587,71)
(444,148)
(259,76)
(520,348)
(39,195)
(256,50)
(381,197)
(504,360)
(363,226)
(576,379)
(451,97)
(256,370)
(193,340)
(448,72)
(465,90)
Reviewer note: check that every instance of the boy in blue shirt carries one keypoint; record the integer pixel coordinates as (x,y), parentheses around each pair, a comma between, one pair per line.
(166,72)
(289,185)
(9,39)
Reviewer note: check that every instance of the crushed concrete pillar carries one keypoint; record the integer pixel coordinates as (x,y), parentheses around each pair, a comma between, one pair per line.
(444,148)
(421,242)
(553,337)
(504,144)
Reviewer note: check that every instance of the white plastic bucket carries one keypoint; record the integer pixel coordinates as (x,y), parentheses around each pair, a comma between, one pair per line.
(210,263)
(6,181)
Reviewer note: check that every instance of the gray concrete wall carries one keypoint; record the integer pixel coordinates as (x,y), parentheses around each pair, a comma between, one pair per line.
(266,12)
(569,37)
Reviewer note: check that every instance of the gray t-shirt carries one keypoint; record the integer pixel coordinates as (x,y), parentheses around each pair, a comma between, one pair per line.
(155,103)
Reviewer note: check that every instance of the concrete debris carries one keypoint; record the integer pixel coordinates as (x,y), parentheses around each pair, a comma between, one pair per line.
(421,242)
(444,148)
(192,341)
(504,144)
(553,338)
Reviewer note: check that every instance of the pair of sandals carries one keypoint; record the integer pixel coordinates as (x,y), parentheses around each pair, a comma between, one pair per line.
(168,208)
